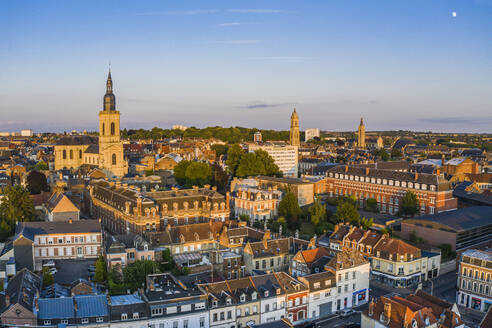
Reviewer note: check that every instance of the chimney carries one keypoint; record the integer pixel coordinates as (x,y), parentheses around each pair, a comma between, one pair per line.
(214,188)
(7,300)
(108,298)
(416,176)
(266,235)
(346,168)
(438,171)
(168,227)
(36,305)
(367,171)
(70,221)
(75,306)
(387,312)
(207,186)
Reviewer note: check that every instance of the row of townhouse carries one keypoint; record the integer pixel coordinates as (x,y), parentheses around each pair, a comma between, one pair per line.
(393,261)
(195,301)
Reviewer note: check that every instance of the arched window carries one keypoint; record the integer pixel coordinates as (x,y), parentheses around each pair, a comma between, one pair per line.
(71,154)
(113,159)
(64,154)
(103,129)
(80,154)
(112,129)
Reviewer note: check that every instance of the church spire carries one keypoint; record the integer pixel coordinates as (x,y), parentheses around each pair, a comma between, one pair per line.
(109,99)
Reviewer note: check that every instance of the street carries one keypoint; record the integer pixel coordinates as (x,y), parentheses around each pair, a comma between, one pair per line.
(336,320)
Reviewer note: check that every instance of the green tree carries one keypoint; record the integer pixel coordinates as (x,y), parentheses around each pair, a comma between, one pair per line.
(234,155)
(180,171)
(371,205)
(245,218)
(381,153)
(48,279)
(249,166)
(317,212)
(267,161)
(16,205)
(366,223)
(347,212)
(396,153)
(219,178)
(289,208)
(409,204)
(219,149)
(167,262)
(198,174)
(100,274)
(36,182)
(41,166)
(134,275)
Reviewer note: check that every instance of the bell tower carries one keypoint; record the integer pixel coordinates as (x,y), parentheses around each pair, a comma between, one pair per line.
(110,146)
(361,135)
(294,129)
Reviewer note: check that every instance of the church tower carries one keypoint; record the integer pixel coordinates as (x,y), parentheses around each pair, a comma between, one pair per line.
(294,129)
(361,135)
(110,146)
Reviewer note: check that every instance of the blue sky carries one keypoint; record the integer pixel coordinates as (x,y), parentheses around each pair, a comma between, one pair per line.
(399,64)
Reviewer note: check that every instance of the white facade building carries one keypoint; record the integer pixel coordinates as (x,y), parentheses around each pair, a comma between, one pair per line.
(285,157)
(311,133)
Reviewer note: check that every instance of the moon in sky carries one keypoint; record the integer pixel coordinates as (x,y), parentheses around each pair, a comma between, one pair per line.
(454,13)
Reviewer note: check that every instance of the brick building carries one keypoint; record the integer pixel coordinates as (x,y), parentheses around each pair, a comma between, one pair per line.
(433,192)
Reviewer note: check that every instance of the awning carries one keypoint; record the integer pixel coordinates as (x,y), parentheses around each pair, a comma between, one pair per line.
(397,277)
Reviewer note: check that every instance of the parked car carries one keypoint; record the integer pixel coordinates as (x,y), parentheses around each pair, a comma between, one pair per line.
(49,263)
(53,271)
(91,268)
(346,312)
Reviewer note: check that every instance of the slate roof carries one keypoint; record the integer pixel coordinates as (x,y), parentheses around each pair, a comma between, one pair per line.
(422,178)
(56,308)
(76,141)
(91,306)
(92,149)
(346,259)
(476,198)
(23,288)
(458,220)
(58,202)
(31,229)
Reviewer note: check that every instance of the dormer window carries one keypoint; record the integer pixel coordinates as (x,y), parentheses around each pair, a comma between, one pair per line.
(278,291)
(266,293)
(228,301)
(214,303)
(253,296)
(243,298)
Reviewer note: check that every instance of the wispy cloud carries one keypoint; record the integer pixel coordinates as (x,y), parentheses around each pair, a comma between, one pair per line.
(229,24)
(261,105)
(284,58)
(259,11)
(181,12)
(238,42)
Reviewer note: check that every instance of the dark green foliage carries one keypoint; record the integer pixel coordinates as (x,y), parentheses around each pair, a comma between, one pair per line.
(396,153)
(245,218)
(447,252)
(16,205)
(409,204)
(371,205)
(134,275)
(41,166)
(289,208)
(347,212)
(48,279)
(382,154)
(219,178)
(189,173)
(36,182)
(234,155)
(101,274)
(220,149)
(230,135)
(243,164)
(317,212)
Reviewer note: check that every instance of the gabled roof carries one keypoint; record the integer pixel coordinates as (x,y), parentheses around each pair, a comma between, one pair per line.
(91,305)
(23,288)
(346,259)
(311,255)
(396,248)
(59,203)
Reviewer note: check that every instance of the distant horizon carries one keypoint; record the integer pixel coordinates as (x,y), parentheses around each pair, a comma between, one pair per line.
(400,65)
